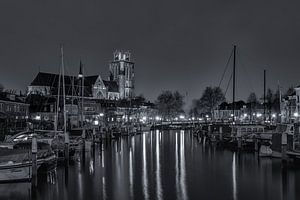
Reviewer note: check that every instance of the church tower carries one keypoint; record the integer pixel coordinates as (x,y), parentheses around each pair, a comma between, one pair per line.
(122,71)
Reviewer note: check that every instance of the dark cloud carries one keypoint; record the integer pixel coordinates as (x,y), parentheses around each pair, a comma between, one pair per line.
(180,45)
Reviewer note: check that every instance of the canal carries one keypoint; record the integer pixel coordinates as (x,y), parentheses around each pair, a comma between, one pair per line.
(164,165)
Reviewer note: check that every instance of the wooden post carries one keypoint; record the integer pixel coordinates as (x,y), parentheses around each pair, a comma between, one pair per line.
(255,144)
(284,147)
(34,162)
(67,141)
(221,133)
(93,137)
(239,138)
(83,146)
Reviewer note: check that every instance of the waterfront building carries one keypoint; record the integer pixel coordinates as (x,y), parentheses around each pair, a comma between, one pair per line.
(122,71)
(120,84)
(13,112)
(244,112)
(290,107)
(91,97)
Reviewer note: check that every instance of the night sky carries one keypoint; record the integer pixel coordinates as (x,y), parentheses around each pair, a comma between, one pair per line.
(181,45)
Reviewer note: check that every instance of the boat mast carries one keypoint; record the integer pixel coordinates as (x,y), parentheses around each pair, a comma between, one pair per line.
(264,95)
(64,89)
(82,93)
(233,82)
(57,103)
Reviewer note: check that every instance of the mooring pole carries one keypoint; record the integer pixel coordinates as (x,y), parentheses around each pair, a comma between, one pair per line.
(34,162)
(284,147)
(221,133)
(67,142)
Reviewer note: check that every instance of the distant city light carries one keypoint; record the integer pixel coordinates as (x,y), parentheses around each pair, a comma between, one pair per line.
(144,118)
(181,116)
(193,118)
(157,118)
(296,114)
(176,118)
(258,114)
(101,114)
(206,116)
(273,115)
(96,122)
(245,115)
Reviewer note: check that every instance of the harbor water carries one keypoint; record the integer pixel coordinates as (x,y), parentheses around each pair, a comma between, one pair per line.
(163,165)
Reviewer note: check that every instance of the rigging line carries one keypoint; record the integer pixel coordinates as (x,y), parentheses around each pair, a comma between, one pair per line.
(226,67)
(228,84)
(242,64)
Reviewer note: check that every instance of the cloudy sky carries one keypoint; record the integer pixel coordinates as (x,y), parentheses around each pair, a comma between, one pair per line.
(176,45)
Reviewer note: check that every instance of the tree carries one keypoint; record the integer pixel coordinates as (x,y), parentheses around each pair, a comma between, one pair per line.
(140,98)
(209,101)
(289,91)
(170,104)
(252,102)
(1,88)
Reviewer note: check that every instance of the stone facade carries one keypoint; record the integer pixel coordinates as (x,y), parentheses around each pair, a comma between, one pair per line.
(122,71)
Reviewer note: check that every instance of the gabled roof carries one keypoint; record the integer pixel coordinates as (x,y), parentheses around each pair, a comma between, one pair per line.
(111,86)
(51,80)
(71,83)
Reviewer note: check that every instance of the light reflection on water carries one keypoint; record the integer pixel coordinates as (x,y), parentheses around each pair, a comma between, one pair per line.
(164,165)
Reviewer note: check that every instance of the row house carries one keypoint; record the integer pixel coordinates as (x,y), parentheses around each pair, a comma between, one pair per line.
(13,112)
(290,107)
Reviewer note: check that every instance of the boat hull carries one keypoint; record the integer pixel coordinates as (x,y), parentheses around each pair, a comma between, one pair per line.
(15,173)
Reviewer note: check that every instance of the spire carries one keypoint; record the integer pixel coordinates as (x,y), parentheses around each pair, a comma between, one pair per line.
(80,75)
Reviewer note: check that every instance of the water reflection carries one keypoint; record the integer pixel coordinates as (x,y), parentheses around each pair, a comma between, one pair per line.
(180,167)
(159,191)
(131,167)
(163,165)
(144,177)
(234,185)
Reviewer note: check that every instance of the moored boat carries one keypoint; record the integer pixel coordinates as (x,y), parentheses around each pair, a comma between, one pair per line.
(16,163)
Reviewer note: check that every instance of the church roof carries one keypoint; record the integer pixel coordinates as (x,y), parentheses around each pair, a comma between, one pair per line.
(52,80)
(49,79)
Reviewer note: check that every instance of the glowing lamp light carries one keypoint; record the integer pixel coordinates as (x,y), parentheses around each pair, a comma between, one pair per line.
(181,117)
(157,118)
(245,115)
(96,122)
(258,115)
(206,116)
(273,115)
(144,118)
(296,114)
(38,117)
(101,114)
